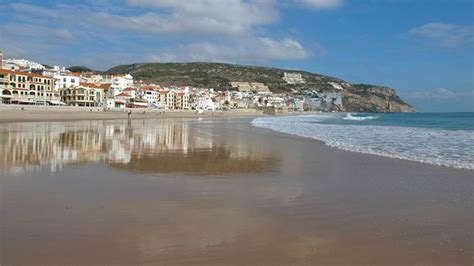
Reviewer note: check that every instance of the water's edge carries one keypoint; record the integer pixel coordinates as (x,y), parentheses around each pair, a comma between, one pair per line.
(448,148)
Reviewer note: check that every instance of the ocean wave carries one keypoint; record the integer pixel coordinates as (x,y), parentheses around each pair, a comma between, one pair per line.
(433,146)
(359,118)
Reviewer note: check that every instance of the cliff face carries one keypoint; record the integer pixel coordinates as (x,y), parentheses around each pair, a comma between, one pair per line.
(368,98)
(356,97)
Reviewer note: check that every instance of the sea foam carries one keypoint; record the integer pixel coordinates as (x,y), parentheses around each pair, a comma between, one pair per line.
(452,148)
(359,118)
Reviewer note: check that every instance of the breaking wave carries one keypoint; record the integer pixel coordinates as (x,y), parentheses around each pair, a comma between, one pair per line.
(452,148)
(359,118)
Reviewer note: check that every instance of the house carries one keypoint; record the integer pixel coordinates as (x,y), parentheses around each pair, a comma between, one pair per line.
(137,103)
(131,92)
(121,100)
(65,78)
(120,82)
(150,94)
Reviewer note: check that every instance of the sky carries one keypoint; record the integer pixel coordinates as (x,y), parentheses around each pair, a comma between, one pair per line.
(422,48)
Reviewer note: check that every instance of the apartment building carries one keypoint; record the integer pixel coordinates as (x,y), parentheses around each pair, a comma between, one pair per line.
(18,87)
(85,95)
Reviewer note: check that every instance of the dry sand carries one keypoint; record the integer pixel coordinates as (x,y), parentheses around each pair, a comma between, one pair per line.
(10,114)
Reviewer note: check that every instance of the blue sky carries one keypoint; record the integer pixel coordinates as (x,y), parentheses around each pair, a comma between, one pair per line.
(422,48)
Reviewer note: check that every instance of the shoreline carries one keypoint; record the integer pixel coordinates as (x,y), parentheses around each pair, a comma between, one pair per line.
(357,153)
(401,157)
(14,114)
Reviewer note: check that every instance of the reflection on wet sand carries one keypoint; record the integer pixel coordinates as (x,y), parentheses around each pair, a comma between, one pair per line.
(109,193)
(149,146)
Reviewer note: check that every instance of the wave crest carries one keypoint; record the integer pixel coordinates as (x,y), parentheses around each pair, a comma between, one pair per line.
(452,148)
(359,118)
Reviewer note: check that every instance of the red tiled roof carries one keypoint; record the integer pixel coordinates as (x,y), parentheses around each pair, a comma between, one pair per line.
(122,94)
(6,71)
(105,86)
(89,85)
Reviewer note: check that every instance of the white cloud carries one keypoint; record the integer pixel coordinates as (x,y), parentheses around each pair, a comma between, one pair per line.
(322,4)
(446,34)
(200,30)
(231,17)
(204,16)
(247,50)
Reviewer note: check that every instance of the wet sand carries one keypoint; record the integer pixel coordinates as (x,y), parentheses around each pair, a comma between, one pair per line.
(220,192)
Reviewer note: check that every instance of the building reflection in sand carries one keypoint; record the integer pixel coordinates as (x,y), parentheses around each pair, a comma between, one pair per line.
(149,146)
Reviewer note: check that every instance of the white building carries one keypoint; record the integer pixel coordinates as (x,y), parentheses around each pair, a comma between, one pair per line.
(119,83)
(293,78)
(150,95)
(131,92)
(170,101)
(65,78)
(21,64)
(336,86)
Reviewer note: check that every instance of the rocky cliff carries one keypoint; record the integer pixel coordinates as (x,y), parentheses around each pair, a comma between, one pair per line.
(369,98)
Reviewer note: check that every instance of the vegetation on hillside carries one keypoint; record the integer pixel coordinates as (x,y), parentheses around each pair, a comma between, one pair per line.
(217,75)
(79,69)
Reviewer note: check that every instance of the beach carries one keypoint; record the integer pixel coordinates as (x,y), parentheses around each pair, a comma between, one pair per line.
(18,113)
(205,191)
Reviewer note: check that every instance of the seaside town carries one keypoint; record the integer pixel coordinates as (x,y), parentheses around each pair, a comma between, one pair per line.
(23,82)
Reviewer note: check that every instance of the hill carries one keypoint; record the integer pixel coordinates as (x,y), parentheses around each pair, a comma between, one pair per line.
(79,69)
(356,97)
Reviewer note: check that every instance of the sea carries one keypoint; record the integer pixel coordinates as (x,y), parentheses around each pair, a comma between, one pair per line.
(445,139)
